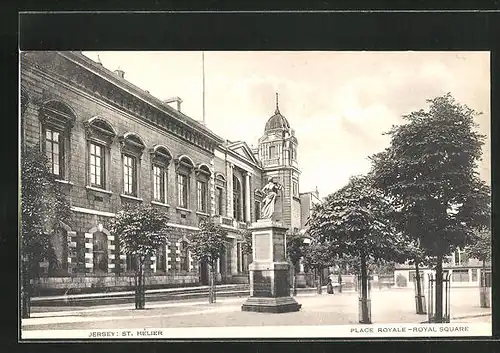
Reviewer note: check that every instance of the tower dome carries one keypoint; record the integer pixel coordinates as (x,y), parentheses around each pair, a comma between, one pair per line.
(277,121)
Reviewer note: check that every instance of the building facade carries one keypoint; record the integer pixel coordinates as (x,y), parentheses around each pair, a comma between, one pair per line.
(462,270)
(111,143)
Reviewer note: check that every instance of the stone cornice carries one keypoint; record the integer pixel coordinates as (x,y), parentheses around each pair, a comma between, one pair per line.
(109,90)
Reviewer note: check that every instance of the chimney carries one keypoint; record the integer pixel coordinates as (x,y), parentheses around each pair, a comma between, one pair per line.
(120,73)
(177,100)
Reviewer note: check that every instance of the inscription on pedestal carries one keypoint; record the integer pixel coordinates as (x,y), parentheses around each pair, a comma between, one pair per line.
(261,246)
(279,248)
(261,285)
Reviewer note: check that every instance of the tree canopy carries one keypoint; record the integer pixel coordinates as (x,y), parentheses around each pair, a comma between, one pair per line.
(208,243)
(353,220)
(141,230)
(429,172)
(295,246)
(481,246)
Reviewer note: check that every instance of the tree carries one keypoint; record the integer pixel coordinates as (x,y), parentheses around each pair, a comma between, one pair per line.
(353,222)
(295,251)
(481,249)
(206,246)
(429,171)
(141,231)
(318,256)
(44,208)
(246,243)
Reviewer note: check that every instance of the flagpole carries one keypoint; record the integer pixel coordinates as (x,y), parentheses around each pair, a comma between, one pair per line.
(203,74)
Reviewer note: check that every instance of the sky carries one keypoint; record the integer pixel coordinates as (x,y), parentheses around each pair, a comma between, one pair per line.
(338,103)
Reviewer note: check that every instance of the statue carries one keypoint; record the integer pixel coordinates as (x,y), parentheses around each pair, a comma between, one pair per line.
(271,191)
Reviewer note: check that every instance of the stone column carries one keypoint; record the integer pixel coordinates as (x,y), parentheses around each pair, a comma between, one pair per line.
(247,197)
(234,258)
(229,190)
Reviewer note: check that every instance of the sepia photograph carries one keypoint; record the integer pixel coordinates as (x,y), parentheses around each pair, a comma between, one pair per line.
(254,194)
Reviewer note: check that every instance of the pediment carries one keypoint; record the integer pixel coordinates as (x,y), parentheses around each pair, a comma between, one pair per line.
(242,149)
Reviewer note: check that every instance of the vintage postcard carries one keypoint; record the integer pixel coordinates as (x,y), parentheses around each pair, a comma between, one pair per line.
(254,194)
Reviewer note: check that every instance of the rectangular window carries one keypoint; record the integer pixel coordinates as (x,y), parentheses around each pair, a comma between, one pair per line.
(161,259)
(460,276)
(97,165)
(412,275)
(129,175)
(272,151)
(474,275)
(184,257)
(295,187)
(54,151)
(100,252)
(159,183)
(201,190)
(182,190)
(131,263)
(218,201)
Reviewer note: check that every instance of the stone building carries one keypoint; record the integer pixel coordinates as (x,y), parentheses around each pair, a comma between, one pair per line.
(111,143)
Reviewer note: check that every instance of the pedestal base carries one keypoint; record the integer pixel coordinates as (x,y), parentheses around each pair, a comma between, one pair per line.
(271,305)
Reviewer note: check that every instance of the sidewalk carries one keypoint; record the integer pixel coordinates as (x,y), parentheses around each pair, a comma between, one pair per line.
(338,309)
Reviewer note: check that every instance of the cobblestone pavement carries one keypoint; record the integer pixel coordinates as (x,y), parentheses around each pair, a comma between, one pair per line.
(387,306)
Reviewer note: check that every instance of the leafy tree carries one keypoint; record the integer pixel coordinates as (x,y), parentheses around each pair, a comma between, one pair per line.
(246,244)
(206,246)
(481,249)
(44,207)
(429,171)
(318,256)
(353,222)
(141,231)
(295,251)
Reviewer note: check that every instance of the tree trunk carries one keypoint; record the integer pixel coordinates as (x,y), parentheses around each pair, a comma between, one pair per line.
(215,283)
(318,280)
(25,290)
(340,282)
(294,280)
(420,304)
(210,284)
(365,316)
(438,316)
(484,291)
(139,286)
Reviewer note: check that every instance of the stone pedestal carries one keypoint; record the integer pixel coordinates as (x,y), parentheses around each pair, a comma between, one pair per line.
(269,271)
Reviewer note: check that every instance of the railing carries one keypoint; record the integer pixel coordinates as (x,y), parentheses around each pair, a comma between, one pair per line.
(227,221)
(272,161)
(242,225)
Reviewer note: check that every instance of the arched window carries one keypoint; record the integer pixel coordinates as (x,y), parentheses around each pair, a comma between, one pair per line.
(161,258)
(220,187)
(237,196)
(100,135)
(160,157)
(184,167)
(57,119)
(202,178)
(184,256)
(100,249)
(132,147)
